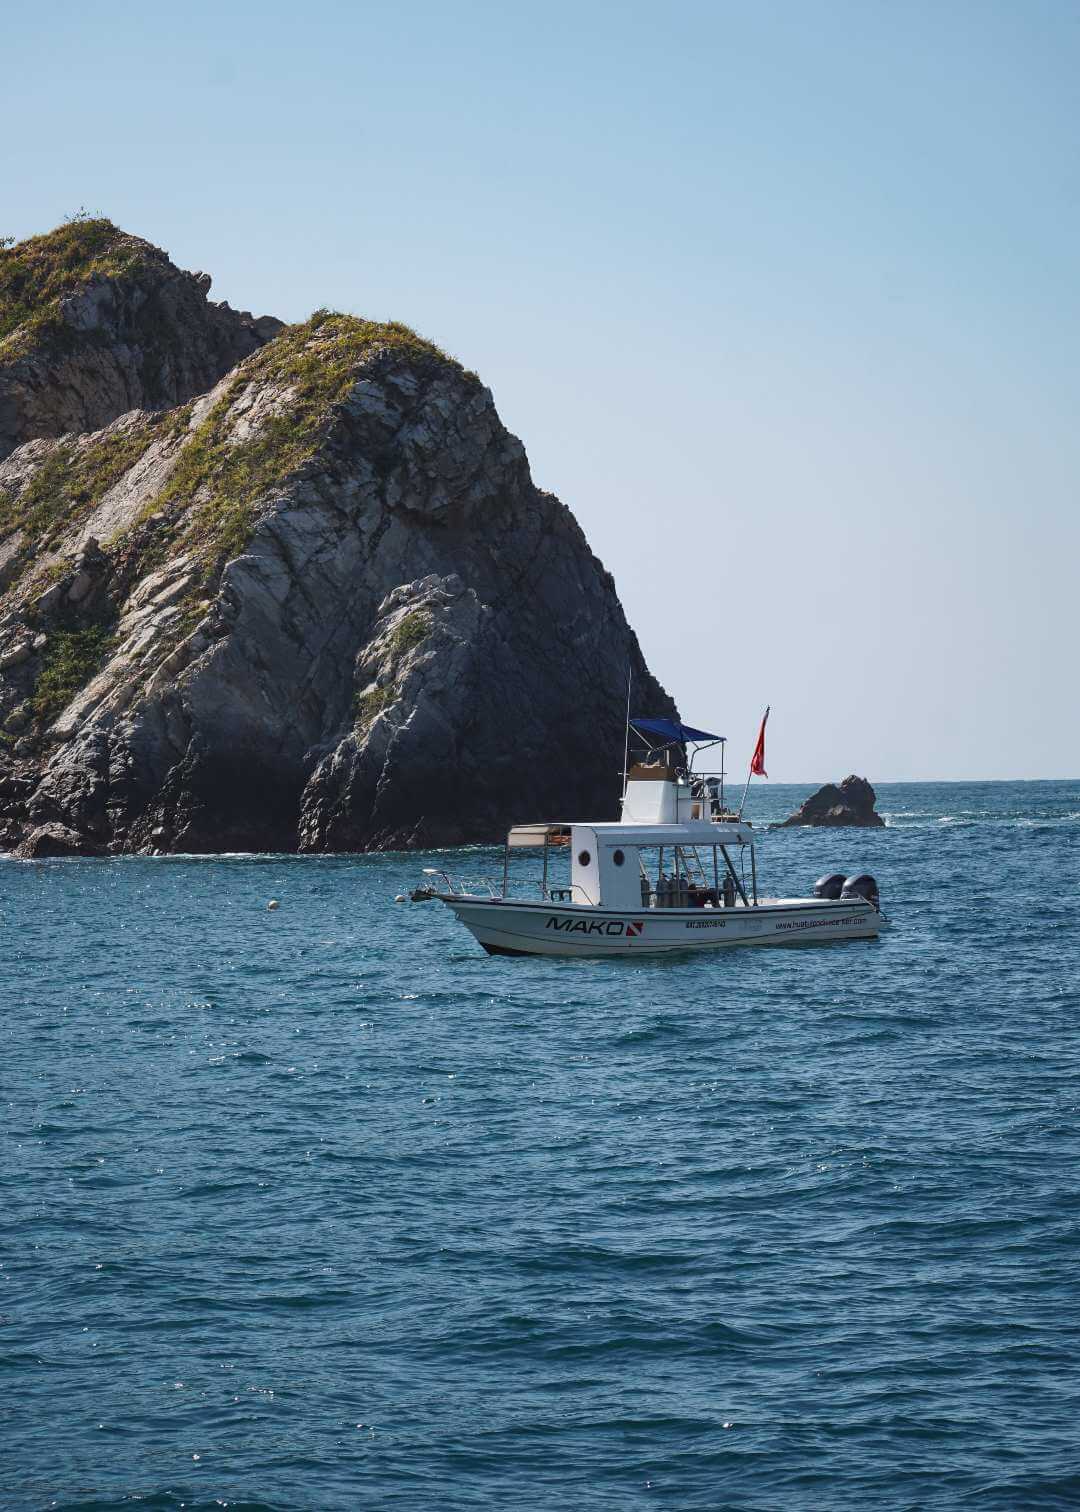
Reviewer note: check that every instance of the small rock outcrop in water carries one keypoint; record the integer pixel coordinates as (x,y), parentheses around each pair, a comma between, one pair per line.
(847,806)
(321,606)
(55,840)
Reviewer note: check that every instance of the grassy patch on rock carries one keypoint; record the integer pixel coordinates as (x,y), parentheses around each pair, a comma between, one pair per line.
(312,367)
(411,631)
(71,659)
(37,273)
(213,491)
(70,483)
(271,418)
(61,495)
(368,705)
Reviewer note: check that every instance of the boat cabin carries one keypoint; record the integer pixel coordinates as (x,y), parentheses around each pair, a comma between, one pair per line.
(673,846)
(628,867)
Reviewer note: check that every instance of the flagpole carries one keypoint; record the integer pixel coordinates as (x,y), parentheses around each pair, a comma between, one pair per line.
(745,790)
(759,746)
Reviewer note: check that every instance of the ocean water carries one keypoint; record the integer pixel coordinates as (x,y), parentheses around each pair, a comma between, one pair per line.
(323,1208)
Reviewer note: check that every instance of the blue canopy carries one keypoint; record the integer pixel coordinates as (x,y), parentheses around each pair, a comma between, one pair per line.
(670,729)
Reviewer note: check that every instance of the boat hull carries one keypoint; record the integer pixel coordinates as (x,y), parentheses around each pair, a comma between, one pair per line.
(505,927)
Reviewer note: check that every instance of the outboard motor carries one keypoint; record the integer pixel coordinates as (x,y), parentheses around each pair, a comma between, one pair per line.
(862,886)
(830,886)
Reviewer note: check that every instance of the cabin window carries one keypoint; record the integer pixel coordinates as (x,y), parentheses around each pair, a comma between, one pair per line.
(618,857)
(583,858)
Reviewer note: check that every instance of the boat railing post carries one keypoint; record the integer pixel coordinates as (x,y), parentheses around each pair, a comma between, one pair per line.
(716,874)
(753,871)
(739,888)
(506,868)
(646,885)
(544,884)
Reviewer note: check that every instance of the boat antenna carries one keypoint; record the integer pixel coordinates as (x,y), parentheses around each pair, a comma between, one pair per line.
(626,746)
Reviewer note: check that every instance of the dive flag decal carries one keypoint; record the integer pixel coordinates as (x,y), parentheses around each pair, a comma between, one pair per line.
(635,929)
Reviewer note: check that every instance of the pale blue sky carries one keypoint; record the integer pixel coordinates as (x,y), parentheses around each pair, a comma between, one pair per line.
(781,298)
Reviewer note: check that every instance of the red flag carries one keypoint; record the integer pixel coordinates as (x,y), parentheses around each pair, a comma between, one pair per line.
(757,760)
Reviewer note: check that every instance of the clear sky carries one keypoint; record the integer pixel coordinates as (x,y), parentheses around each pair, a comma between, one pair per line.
(782,299)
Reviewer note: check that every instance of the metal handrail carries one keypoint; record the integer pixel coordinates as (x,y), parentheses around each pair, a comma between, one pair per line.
(462,887)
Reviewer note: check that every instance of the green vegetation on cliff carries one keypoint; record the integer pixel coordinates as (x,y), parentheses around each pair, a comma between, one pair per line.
(37,273)
(367,706)
(411,631)
(71,659)
(312,366)
(272,416)
(218,480)
(70,483)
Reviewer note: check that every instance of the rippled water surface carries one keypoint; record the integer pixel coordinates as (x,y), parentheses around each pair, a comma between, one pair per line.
(323,1208)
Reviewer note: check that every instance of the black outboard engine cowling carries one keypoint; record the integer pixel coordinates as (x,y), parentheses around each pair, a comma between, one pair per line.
(829,886)
(862,886)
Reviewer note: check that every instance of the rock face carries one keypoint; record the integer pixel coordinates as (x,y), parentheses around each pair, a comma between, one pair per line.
(94,323)
(847,806)
(55,840)
(323,607)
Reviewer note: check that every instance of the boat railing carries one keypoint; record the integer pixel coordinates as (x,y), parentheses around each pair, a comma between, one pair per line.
(465,887)
(561,892)
(473,887)
(549,892)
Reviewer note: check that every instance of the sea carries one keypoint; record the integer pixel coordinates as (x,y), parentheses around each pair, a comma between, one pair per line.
(319,1207)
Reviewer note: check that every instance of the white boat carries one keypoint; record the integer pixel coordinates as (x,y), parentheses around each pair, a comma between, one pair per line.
(676,872)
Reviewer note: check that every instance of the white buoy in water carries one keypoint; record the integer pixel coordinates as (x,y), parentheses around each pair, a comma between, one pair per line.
(273,903)
(400,898)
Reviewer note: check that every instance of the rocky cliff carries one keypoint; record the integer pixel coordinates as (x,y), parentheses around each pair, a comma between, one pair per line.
(321,606)
(94,323)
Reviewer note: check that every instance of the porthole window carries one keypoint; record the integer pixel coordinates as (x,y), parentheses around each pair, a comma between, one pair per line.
(583,858)
(618,857)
